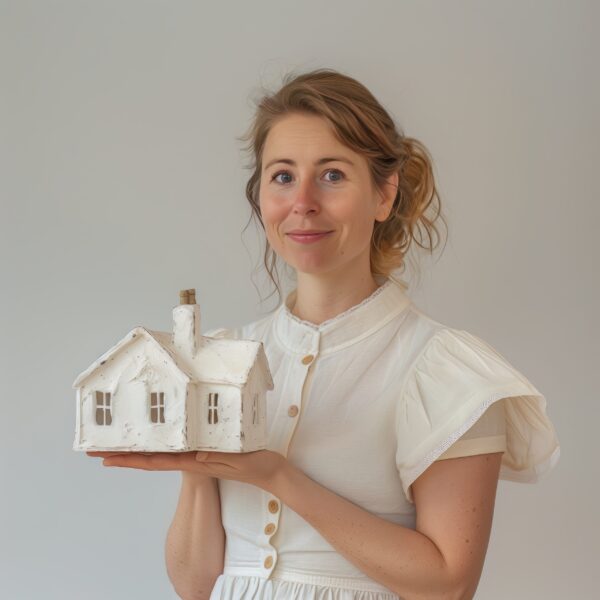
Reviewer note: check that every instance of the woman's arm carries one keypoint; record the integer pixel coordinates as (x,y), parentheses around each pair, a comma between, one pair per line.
(441,559)
(195,543)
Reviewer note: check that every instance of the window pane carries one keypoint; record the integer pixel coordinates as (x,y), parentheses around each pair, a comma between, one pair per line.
(100,416)
(108,417)
(107,399)
(153,414)
(162,414)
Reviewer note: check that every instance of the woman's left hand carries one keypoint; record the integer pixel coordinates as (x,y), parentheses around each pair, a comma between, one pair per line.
(259,468)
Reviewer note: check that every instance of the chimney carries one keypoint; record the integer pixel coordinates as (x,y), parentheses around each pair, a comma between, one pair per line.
(186,324)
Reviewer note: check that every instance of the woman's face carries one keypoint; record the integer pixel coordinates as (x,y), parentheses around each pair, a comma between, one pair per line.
(312,182)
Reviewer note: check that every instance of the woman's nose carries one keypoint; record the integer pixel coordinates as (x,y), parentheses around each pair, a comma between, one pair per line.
(306,198)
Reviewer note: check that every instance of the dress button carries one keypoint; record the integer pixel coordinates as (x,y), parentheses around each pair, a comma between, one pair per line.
(293,410)
(268,562)
(308,359)
(273,506)
(270,528)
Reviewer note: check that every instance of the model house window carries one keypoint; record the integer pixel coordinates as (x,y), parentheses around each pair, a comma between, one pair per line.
(103,412)
(157,407)
(213,417)
(255,410)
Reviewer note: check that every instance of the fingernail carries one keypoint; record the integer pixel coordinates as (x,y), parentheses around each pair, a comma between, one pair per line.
(201,455)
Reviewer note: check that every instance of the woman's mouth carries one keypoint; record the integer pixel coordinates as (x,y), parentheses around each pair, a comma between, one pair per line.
(308,238)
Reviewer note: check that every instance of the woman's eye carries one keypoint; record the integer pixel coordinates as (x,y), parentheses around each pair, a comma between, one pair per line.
(278,174)
(338,175)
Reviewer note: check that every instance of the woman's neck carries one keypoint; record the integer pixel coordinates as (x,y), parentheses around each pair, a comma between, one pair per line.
(319,299)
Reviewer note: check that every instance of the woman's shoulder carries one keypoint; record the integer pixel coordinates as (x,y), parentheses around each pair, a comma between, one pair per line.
(428,335)
(420,330)
(450,352)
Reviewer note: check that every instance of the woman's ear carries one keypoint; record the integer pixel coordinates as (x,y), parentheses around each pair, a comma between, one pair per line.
(387,197)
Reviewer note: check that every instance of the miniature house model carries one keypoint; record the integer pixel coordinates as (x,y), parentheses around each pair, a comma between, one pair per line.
(170,392)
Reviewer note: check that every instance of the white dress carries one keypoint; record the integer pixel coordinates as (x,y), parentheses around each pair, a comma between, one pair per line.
(363,403)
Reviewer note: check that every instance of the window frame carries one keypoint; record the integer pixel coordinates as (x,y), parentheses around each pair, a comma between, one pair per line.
(103,407)
(157,408)
(255,410)
(213,408)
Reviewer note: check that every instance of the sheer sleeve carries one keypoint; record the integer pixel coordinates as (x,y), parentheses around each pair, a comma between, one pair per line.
(487,435)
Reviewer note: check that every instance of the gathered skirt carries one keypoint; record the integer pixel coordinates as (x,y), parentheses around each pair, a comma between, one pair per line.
(238,587)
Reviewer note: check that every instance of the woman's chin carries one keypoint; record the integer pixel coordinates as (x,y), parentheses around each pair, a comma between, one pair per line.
(323,267)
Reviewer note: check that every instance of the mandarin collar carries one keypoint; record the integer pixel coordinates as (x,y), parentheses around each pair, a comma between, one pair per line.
(347,328)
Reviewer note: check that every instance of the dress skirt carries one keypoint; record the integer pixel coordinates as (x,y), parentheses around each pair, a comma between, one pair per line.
(243,587)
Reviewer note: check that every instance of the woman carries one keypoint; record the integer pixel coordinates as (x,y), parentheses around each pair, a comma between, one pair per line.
(388,431)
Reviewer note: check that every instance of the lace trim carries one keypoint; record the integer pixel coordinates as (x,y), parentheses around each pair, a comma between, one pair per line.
(495,396)
(348,311)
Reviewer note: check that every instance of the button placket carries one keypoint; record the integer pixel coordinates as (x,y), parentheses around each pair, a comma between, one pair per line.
(270,528)
(293,409)
(272,520)
(307,361)
(273,505)
(268,562)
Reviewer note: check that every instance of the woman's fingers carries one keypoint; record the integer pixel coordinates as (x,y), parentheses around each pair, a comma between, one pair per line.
(104,454)
(138,461)
(156,461)
(150,461)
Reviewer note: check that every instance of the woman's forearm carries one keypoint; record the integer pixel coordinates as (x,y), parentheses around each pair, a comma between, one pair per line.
(195,544)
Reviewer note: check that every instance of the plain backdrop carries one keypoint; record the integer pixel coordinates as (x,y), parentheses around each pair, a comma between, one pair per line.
(122,181)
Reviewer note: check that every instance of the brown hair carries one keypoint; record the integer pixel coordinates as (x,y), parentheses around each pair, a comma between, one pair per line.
(362,124)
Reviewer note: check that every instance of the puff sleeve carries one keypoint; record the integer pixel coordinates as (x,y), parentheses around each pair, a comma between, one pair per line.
(452,382)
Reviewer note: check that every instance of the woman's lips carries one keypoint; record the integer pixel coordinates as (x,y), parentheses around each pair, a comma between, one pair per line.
(308,238)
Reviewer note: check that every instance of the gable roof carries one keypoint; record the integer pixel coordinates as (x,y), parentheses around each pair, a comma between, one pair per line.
(221,360)
(218,360)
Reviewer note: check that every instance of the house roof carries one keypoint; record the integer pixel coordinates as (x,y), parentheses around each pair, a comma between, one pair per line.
(217,361)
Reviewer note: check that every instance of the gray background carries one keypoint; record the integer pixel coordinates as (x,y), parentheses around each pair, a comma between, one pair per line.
(122,182)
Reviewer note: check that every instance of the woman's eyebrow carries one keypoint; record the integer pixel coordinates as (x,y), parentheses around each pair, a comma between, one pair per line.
(321,161)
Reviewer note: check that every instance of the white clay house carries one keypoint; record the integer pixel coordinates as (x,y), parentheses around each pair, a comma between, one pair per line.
(168,392)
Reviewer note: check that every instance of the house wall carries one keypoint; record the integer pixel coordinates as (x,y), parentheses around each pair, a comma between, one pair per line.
(255,435)
(223,436)
(131,375)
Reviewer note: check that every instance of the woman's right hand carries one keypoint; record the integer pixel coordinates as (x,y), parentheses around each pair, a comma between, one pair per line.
(159,461)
